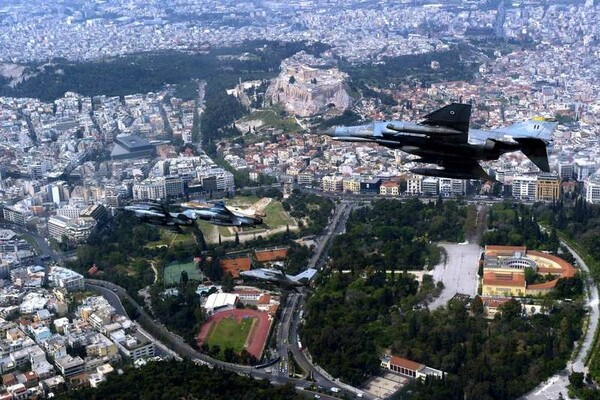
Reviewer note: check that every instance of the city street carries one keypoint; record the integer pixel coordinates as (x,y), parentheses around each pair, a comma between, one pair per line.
(286,333)
(552,387)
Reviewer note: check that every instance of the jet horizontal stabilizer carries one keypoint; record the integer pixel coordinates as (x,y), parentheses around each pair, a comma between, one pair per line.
(535,150)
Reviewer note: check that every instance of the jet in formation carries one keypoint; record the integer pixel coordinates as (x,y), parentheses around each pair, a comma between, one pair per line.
(279,277)
(218,214)
(157,214)
(444,138)
(215,213)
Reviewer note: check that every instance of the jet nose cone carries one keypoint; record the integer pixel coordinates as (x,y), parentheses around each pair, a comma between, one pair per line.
(330,131)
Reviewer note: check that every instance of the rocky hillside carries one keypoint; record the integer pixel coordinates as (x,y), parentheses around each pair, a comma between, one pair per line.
(306,90)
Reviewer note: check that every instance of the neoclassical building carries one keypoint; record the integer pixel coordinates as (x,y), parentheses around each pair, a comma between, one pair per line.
(504,271)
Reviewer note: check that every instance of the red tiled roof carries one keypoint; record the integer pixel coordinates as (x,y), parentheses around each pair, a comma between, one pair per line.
(390,184)
(264,299)
(492,302)
(504,279)
(403,362)
(501,250)
(9,379)
(247,292)
(93,270)
(568,271)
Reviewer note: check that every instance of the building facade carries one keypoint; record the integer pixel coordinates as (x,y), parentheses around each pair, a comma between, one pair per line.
(524,187)
(332,183)
(547,188)
(414,184)
(592,189)
(389,188)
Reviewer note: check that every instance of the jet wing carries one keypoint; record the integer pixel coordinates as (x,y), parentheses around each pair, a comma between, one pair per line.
(469,168)
(455,116)
(220,206)
(454,168)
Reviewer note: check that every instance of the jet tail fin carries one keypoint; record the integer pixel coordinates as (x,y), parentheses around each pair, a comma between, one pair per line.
(535,150)
(455,116)
(539,128)
(306,276)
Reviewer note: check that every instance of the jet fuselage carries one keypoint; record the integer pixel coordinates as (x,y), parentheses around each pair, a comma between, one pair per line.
(444,138)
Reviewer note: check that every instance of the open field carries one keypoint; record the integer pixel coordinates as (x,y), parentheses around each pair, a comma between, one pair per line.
(269,117)
(172,272)
(169,238)
(275,220)
(243,201)
(276,215)
(238,329)
(230,333)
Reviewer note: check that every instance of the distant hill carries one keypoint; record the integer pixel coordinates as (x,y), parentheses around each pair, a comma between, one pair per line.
(145,72)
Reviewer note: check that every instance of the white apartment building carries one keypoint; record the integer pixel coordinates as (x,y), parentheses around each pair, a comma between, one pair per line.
(449,186)
(59,226)
(592,189)
(414,184)
(332,183)
(524,187)
(69,211)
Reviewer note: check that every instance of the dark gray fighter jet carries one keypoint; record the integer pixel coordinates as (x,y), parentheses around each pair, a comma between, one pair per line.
(157,214)
(279,277)
(218,214)
(444,138)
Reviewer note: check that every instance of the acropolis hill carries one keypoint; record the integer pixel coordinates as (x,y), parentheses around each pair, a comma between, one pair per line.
(307,89)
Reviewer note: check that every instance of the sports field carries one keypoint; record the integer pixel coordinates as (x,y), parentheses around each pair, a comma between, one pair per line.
(229,332)
(173,272)
(238,330)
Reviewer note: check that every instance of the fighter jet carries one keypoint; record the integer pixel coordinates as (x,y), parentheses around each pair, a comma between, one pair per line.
(444,138)
(279,277)
(157,214)
(218,214)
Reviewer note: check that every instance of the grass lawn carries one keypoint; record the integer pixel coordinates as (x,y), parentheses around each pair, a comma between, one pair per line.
(169,238)
(276,215)
(243,201)
(229,333)
(211,231)
(173,272)
(271,117)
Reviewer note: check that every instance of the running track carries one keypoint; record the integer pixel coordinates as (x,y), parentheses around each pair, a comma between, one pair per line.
(259,334)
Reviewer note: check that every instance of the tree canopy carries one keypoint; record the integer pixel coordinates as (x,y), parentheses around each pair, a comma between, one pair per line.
(181,380)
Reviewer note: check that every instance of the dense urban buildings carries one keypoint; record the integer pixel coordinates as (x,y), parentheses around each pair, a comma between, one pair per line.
(69,162)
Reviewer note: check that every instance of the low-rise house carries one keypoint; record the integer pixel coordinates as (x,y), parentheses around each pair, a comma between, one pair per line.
(409,368)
